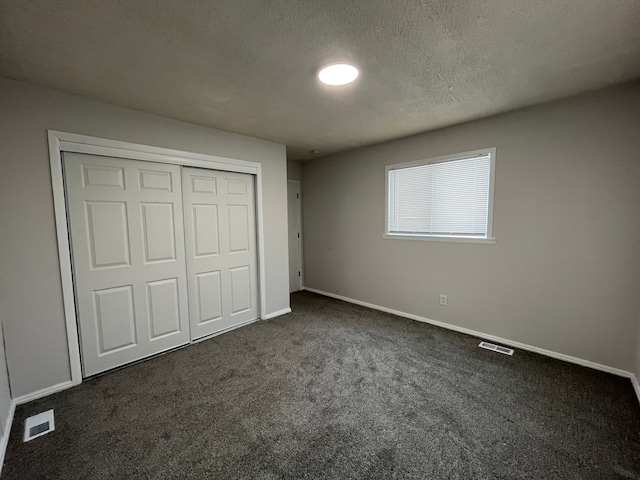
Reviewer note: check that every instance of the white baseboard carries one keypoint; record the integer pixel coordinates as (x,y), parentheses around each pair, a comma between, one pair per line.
(636,385)
(4,441)
(269,316)
(511,343)
(43,393)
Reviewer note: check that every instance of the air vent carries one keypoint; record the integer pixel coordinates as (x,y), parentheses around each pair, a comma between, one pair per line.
(38,425)
(496,348)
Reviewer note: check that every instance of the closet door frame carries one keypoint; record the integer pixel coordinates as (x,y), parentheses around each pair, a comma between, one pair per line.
(60,142)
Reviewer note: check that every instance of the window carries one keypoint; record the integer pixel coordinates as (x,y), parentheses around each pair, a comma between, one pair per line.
(446,198)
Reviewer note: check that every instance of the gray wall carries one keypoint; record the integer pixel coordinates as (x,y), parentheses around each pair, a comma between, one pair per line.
(30,276)
(565,273)
(294,170)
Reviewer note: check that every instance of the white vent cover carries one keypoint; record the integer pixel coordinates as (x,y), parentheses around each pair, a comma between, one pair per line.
(38,425)
(496,348)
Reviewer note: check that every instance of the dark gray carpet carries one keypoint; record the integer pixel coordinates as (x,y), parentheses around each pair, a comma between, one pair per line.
(335,390)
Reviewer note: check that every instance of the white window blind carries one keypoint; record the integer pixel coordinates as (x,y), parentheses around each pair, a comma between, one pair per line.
(448,198)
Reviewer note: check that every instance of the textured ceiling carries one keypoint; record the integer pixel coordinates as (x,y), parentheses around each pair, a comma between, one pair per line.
(248,66)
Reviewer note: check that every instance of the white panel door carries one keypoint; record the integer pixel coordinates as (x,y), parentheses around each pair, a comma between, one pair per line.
(127,236)
(220,234)
(295,241)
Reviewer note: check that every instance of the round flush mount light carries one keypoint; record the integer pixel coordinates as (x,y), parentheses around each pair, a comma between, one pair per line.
(338,74)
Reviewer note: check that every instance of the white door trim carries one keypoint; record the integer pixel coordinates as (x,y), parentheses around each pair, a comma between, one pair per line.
(300,243)
(70,142)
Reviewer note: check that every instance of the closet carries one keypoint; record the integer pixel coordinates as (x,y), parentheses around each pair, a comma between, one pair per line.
(162,255)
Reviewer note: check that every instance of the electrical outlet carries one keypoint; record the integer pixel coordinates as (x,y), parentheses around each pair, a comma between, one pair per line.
(444,300)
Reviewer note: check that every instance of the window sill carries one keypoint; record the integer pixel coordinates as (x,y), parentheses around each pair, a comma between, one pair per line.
(438,238)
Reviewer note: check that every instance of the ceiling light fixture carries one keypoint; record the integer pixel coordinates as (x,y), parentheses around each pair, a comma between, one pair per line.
(338,74)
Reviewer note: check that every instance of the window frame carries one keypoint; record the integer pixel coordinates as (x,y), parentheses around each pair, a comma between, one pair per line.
(488,240)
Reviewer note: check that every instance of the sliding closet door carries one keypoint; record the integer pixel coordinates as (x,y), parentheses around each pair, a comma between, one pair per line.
(127,238)
(221,249)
